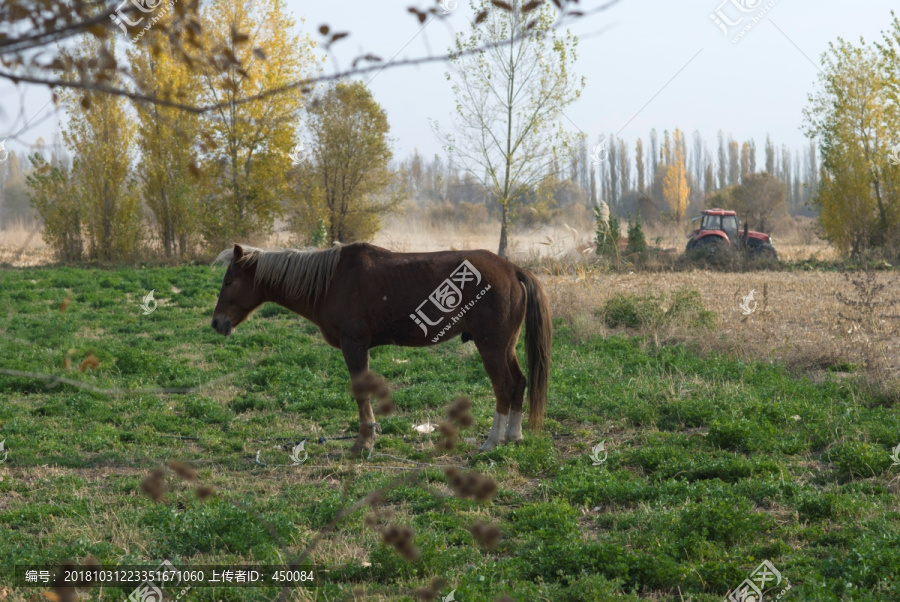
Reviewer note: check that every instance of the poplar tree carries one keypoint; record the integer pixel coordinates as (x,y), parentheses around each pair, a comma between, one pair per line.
(675,186)
(510,100)
(167,145)
(251,135)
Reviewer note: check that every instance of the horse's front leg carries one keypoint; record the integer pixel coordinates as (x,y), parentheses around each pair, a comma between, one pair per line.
(356,355)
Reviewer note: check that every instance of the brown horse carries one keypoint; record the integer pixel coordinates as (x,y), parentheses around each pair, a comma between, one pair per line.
(361,296)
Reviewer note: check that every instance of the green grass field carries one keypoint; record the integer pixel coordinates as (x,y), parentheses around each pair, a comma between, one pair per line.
(712,466)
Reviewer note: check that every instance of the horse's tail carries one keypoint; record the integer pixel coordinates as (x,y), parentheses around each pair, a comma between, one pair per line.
(538,345)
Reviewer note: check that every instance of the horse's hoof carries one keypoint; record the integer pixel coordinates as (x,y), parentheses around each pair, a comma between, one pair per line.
(518,439)
(359,449)
(488,445)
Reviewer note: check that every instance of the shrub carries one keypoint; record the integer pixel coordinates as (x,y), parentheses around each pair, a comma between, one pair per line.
(637,243)
(54,199)
(687,309)
(637,311)
(632,311)
(473,214)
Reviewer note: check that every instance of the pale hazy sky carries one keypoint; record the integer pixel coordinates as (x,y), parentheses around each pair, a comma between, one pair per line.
(648,64)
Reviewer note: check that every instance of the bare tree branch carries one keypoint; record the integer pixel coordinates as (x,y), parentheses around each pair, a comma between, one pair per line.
(16,52)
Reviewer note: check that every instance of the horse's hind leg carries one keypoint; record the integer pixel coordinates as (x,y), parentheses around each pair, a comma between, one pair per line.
(356,357)
(514,424)
(497,368)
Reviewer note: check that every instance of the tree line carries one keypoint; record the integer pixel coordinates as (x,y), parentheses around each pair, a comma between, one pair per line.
(146,177)
(660,180)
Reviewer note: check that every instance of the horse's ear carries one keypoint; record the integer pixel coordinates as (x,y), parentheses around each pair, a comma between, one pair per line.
(238,253)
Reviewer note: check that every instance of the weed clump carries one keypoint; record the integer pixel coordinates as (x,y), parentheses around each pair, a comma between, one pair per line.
(685,308)
(631,311)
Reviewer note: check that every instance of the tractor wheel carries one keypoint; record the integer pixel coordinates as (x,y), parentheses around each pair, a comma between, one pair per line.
(713,245)
(765,252)
(711,249)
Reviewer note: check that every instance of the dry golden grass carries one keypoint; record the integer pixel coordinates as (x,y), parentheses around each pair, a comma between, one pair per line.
(417,233)
(22,246)
(797,318)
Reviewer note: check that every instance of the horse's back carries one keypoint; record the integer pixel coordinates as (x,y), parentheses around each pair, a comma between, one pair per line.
(372,256)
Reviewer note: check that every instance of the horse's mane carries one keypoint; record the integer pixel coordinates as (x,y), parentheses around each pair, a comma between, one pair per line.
(297,273)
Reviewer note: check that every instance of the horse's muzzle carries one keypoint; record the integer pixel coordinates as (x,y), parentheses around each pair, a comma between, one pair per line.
(222,326)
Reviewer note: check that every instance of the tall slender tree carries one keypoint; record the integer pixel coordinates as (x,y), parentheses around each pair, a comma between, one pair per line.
(745,160)
(612,166)
(639,164)
(168,143)
(734,164)
(723,162)
(675,186)
(624,168)
(102,133)
(698,159)
(770,156)
(510,100)
(752,150)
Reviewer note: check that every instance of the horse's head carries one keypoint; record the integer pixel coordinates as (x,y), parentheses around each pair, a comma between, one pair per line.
(239,295)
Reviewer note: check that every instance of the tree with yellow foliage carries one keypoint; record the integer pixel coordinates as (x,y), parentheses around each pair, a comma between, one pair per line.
(855,116)
(167,139)
(342,183)
(675,188)
(251,132)
(102,136)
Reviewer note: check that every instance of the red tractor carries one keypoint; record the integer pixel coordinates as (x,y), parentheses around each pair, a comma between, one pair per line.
(720,232)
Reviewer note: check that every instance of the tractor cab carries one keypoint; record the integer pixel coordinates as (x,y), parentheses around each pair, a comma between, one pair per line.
(721,222)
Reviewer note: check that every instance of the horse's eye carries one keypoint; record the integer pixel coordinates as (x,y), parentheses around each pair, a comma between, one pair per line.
(228,282)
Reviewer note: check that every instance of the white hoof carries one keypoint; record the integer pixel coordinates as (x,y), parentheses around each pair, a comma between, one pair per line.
(497,428)
(514,428)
